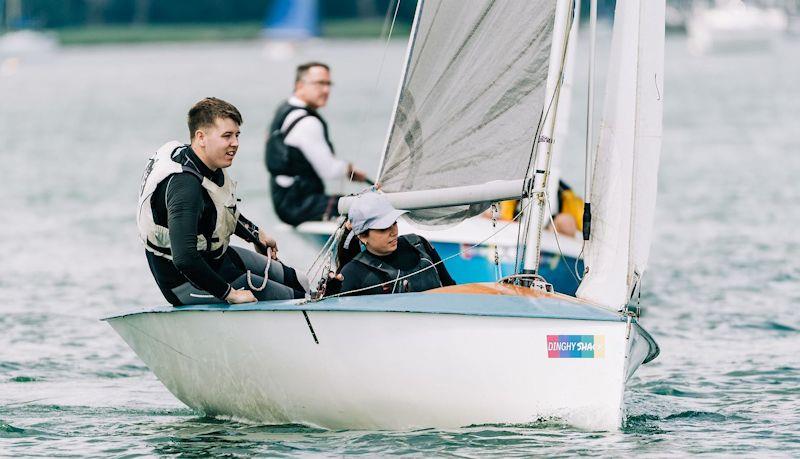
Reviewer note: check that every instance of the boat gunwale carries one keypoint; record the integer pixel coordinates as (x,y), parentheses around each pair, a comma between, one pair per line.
(466,304)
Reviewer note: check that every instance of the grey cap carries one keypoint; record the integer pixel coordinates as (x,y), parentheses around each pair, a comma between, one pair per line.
(371,211)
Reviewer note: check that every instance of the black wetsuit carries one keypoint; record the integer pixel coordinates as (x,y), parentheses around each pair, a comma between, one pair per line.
(305,200)
(357,275)
(182,204)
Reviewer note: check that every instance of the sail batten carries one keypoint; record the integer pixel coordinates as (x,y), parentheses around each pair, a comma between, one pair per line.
(471,98)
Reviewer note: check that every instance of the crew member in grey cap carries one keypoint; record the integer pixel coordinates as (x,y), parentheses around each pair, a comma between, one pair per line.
(388,258)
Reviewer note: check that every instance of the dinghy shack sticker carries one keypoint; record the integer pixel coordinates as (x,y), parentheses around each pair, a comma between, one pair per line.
(576,346)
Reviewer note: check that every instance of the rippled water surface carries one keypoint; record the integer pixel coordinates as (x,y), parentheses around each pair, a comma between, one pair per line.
(721,296)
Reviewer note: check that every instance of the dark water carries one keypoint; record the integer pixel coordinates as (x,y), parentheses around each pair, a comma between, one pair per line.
(721,296)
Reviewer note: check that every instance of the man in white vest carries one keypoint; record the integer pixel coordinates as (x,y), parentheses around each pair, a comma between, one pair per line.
(188,212)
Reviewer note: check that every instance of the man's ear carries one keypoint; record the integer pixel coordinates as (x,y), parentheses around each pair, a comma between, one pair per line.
(200,136)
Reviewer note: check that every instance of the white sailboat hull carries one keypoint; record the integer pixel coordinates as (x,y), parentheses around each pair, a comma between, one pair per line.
(383,369)
(735,27)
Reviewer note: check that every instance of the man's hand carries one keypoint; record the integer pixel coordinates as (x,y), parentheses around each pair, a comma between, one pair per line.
(240,296)
(355,174)
(267,241)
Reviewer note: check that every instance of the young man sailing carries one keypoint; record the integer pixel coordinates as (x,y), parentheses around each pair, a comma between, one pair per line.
(187,214)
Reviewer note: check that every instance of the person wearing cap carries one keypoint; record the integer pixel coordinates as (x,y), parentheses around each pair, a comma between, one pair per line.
(389,263)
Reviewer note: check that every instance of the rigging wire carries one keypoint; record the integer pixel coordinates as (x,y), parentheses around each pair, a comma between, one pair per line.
(558,244)
(328,246)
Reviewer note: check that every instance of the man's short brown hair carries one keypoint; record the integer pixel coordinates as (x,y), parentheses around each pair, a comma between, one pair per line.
(302,69)
(205,112)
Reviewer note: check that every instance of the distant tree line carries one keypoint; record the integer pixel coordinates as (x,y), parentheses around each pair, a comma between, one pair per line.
(66,13)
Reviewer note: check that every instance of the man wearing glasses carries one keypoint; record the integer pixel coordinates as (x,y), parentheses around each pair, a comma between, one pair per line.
(300,154)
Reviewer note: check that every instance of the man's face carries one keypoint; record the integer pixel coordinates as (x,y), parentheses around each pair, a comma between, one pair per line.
(315,87)
(220,142)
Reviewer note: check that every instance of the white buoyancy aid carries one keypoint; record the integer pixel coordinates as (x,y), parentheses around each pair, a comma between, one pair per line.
(156,237)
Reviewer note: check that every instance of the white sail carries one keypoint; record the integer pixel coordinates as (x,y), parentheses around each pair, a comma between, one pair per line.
(626,166)
(471,97)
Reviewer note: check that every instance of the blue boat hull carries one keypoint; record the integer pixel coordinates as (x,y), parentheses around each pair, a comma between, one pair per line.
(477,265)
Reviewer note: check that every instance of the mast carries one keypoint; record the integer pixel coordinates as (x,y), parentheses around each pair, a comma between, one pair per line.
(563,115)
(541,167)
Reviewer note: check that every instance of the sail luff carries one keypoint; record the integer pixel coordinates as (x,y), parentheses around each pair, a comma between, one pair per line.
(563,113)
(412,37)
(624,179)
(607,251)
(649,119)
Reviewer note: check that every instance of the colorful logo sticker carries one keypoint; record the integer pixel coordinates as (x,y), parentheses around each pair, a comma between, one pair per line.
(576,346)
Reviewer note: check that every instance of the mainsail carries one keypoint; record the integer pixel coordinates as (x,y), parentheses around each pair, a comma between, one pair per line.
(625,174)
(471,98)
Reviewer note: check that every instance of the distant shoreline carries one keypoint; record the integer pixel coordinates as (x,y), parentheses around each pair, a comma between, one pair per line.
(154,33)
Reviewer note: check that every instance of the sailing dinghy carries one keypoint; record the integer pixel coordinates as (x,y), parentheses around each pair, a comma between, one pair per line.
(474,124)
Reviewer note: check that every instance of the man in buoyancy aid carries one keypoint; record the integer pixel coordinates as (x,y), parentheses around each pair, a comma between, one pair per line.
(299,152)
(387,258)
(187,213)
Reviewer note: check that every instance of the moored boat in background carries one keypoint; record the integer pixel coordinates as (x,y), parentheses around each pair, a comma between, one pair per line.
(733,25)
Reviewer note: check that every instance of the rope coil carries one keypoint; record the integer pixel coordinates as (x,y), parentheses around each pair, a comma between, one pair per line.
(266,273)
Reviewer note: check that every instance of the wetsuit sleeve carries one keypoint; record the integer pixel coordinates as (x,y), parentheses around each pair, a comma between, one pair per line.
(444,275)
(184,198)
(246,230)
(358,276)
